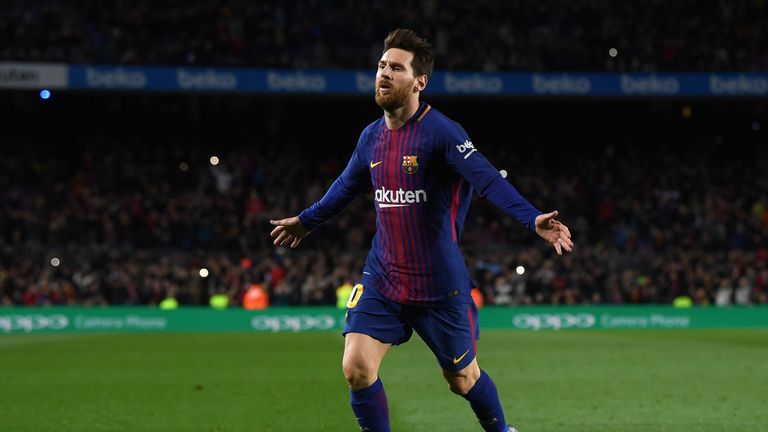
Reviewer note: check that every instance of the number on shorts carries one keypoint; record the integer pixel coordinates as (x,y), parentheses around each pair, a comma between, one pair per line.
(357,291)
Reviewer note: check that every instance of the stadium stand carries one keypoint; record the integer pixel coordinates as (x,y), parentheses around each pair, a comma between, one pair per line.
(133,213)
(715,35)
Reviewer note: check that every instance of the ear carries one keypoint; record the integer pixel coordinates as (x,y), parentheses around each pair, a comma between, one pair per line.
(420,84)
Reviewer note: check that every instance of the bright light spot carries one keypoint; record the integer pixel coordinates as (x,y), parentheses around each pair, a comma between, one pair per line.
(184,166)
(45,94)
(214,160)
(520,270)
(613,52)
(55,262)
(687,111)
(203,272)
(755,126)
(503,173)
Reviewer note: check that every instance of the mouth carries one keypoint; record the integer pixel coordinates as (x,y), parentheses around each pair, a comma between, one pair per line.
(384,87)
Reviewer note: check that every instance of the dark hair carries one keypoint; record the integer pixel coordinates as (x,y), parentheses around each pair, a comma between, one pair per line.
(423,62)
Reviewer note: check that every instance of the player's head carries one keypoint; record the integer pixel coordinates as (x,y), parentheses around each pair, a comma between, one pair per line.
(404,69)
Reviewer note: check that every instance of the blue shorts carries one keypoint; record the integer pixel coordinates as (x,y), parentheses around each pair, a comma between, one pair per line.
(450,331)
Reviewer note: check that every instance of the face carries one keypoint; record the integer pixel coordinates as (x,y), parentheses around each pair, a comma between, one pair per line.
(395,81)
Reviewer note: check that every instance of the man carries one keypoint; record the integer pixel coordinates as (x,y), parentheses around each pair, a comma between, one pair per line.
(423,168)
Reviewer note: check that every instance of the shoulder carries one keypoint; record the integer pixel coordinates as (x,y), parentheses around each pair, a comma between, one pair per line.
(443,128)
(370,131)
(373,127)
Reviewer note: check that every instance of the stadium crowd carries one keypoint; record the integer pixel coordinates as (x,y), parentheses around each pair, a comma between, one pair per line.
(480,35)
(110,218)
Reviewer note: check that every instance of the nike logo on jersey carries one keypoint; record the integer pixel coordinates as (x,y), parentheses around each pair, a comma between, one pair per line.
(374,165)
(456,360)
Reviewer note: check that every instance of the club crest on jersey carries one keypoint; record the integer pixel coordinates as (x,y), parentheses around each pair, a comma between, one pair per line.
(410,164)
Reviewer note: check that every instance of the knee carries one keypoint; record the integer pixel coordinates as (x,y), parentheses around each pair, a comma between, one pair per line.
(463,381)
(358,373)
(460,384)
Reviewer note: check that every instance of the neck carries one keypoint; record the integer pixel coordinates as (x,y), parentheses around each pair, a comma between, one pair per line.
(397,118)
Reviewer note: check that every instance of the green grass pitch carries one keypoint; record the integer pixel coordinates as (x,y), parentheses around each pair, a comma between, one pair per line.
(592,381)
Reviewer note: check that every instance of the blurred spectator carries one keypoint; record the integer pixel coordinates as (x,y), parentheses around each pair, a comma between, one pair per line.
(116,249)
(112,216)
(744,291)
(481,35)
(724,295)
(255,298)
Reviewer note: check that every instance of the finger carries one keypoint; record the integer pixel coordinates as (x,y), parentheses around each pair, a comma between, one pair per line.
(279,240)
(566,246)
(558,249)
(551,215)
(295,243)
(561,229)
(287,240)
(277,230)
(566,240)
(285,222)
(544,220)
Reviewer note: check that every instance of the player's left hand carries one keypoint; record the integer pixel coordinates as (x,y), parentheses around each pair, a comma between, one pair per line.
(554,232)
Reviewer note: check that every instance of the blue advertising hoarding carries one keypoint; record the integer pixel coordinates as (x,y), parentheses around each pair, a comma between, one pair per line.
(361,82)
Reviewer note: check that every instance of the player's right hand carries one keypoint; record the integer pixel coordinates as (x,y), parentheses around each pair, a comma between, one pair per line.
(288,231)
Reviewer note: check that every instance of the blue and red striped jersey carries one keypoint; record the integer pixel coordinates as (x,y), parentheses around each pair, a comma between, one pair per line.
(422,175)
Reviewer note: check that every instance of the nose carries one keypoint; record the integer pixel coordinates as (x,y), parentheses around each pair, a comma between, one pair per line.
(386,72)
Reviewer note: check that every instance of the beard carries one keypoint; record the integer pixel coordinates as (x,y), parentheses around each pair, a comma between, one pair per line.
(396,98)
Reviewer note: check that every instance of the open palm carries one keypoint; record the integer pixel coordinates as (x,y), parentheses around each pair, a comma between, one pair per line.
(554,232)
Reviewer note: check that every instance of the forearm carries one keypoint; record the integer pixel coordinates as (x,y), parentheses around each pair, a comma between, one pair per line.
(504,196)
(338,197)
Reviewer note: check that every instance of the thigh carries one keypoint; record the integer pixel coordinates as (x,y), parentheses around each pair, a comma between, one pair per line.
(363,351)
(451,333)
(372,314)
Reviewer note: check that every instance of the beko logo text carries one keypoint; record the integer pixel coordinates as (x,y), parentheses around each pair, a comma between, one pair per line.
(561,84)
(115,78)
(649,85)
(295,81)
(738,85)
(474,83)
(29,323)
(554,321)
(206,80)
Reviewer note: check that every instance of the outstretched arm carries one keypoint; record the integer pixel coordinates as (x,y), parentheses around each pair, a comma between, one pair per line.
(290,231)
(352,181)
(463,157)
(504,196)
